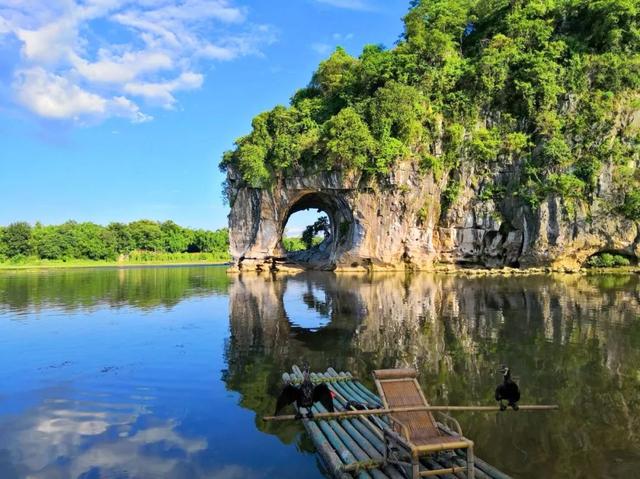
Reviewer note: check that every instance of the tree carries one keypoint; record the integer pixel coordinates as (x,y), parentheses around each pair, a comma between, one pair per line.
(17,238)
(93,241)
(122,236)
(3,244)
(73,240)
(311,231)
(146,235)
(210,241)
(348,144)
(175,238)
(335,79)
(51,242)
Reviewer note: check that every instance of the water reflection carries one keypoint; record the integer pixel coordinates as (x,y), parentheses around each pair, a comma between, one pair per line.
(573,340)
(73,289)
(117,373)
(99,439)
(164,372)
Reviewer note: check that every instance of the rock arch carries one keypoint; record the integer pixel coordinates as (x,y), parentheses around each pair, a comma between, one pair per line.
(370,228)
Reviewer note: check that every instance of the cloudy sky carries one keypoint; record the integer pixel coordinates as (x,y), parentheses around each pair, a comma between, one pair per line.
(115,110)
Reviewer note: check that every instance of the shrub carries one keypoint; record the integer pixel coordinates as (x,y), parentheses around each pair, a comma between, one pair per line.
(631,205)
(607,260)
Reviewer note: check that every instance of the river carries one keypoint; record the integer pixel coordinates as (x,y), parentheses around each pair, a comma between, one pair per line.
(165,372)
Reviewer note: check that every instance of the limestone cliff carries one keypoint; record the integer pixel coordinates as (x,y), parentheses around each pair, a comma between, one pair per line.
(402,224)
(492,134)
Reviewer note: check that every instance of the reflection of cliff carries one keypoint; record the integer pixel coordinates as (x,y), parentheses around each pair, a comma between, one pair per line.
(262,323)
(71,289)
(573,340)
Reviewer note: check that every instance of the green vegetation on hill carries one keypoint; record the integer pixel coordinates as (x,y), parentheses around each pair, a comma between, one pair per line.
(549,85)
(139,241)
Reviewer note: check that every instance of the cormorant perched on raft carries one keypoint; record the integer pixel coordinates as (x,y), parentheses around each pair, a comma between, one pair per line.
(508,390)
(305,395)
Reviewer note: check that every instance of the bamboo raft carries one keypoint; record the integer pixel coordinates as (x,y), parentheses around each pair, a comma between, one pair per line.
(352,445)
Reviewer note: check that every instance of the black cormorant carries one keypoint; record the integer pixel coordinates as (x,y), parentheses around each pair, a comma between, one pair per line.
(508,390)
(305,395)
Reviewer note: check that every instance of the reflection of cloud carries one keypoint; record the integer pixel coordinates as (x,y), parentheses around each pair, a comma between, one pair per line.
(232,472)
(62,425)
(56,440)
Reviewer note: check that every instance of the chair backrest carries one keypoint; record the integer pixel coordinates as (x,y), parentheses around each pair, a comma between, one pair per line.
(399,388)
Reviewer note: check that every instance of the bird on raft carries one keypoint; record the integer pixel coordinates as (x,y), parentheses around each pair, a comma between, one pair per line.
(305,395)
(508,390)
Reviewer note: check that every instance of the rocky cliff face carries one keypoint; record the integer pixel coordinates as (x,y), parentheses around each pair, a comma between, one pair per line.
(405,223)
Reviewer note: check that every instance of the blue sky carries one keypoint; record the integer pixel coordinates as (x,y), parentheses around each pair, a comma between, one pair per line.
(113,110)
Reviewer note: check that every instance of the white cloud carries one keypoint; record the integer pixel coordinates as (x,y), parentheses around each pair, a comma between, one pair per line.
(342,37)
(321,48)
(93,59)
(348,4)
(49,43)
(54,96)
(162,92)
(122,68)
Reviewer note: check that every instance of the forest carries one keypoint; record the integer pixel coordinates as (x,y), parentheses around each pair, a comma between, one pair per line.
(142,240)
(547,85)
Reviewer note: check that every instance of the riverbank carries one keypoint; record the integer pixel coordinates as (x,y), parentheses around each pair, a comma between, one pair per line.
(449,269)
(181,259)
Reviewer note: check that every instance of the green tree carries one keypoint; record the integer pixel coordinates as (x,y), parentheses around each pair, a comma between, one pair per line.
(293,244)
(335,79)
(93,241)
(17,239)
(210,241)
(175,238)
(146,235)
(122,236)
(310,232)
(348,144)
(3,244)
(51,242)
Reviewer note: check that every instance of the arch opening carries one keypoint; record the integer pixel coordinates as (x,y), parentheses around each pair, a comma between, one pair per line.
(321,224)
(306,229)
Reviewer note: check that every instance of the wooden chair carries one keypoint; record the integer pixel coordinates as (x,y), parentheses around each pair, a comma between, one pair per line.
(416,434)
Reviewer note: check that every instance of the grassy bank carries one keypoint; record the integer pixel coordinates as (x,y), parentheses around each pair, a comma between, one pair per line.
(134,259)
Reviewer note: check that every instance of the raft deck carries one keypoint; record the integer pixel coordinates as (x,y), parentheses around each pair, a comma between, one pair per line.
(354,447)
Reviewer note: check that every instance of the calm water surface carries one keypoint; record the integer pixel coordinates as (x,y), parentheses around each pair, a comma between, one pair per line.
(164,372)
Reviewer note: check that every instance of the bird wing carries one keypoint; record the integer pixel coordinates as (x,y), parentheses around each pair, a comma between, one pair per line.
(322,393)
(516,393)
(499,392)
(288,395)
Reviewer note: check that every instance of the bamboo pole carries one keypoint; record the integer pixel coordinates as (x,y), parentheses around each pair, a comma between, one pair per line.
(482,466)
(480,474)
(378,412)
(356,428)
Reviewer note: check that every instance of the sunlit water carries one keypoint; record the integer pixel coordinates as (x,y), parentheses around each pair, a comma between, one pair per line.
(165,372)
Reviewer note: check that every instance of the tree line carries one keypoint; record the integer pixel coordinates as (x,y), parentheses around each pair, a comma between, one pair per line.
(74,240)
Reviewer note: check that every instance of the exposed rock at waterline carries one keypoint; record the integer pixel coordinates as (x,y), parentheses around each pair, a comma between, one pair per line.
(402,223)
